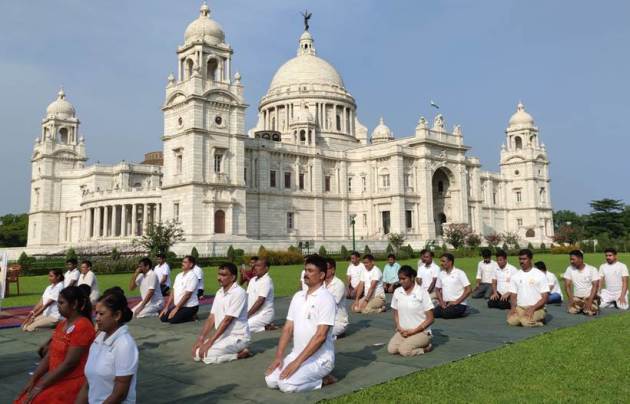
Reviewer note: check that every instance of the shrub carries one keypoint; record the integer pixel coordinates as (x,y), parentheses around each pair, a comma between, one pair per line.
(115,255)
(343,252)
(564,249)
(389,249)
(543,247)
(493,239)
(160,237)
(456,233)
(367,250)
(322,251)
(511,239)
(262,251)
(231,255)
(25,261)
(396,240)
(530,246)
(284,257)
(473,240)
(194,253)
(505,247)
(71,254)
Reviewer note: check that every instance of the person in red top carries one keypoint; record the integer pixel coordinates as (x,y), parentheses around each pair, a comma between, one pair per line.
(59,376)
(247,274)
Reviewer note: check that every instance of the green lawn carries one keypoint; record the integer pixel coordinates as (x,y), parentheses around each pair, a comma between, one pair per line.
(587,363)
(285,277)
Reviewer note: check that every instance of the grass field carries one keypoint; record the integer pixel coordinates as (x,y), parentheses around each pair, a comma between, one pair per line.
(285,278)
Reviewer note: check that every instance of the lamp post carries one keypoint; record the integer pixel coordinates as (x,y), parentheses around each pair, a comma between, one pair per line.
(352,222)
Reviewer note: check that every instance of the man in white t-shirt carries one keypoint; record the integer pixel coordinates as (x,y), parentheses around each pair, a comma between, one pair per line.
(503,273)
(581,282)
(184,296)
(370,294)
(260,309)
(309,324)
(71,277)
(486,270)
(428,272)
(452,289)
(353,275)
(163,272)
(614,275)
(555,293)
(145,278)
(336,287)
(228,320)
(200,281)
(529,290)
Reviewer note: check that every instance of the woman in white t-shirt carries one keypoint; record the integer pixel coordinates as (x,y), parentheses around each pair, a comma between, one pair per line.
(112,364)
(45,314)
(413,316)
(88,277)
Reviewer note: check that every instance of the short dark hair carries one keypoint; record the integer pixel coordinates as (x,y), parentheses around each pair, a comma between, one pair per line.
(254,258)
(265,261)
(486,253)
(391,256)
(526,251)
(87,262)
(576,253)
(368,257)
(426,250)
(230,267)
(408,271)
(72,261)
(610,250)
(316,260)
(190,259)
(356,254)
(331,262)
(449,257)
(146,261)
(501,253)
(161,255)
(541,265)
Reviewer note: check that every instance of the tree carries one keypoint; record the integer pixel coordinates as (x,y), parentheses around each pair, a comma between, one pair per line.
(606,217)
(396,240)
(511,239)
(194,253)
(563,217)
(367,250)
(568,234)
(24,261)
(473,240)
(344,252)
(13,230)
(230,253)
(71,254)
(160,237)
(389,249)
(115,254)
(493,239)
(322,251)
(455,234)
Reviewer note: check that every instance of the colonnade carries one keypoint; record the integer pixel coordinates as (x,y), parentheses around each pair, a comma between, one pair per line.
(122,220)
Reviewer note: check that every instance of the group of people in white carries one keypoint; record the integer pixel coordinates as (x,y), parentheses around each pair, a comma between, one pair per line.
(317,313)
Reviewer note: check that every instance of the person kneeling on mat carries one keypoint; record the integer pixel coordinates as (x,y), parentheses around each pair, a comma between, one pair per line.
(184,296)
(582,283)
(452,288)
(370,297)
(503,273)
(485,271)
(529,290)
(555,293)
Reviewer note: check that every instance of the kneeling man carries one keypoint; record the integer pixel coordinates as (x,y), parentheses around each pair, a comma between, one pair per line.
(309,324)
(149,283)
(228,318)
(500,298)
(581,282)
(529,289)
(370,296)
(260,308)
(336,287)
(452,289)
(615,275)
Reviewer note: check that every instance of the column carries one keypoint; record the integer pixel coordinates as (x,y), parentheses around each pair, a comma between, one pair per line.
(106,220)
(123,221)
(134,220)
(113,221)
(145,215)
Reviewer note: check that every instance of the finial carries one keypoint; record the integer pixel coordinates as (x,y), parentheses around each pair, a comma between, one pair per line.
(381,121)
(520,106)
(237,76)
(204,11)
(61,94)
(171,78)
(307,16)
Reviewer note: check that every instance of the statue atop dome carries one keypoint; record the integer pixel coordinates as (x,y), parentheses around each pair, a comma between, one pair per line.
(307,16)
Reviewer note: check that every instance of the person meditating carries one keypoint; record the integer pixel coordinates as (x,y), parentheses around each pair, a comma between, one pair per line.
(390,274)
(485,272)
(428,272)
(150,292)
(260,308)
(163,272)
(528,294)
(452,288)
(59,375)
(246,274)
(413,316)
(555,293)
(228,320)
(353,275)
(336,287)
(503,273)
(71,277)
(309,324)
(184,296)
(45,314)
(88,277)
(614,275)
(582,283)
(112,363)
(370,294)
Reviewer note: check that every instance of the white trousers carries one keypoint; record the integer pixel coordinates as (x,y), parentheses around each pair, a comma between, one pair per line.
(150,310)
(609,299)
(339,328)
(307,378)
(258,321)
(226,349)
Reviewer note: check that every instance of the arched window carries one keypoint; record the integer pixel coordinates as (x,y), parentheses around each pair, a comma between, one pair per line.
(211,69)
(190,65)
(63,135)
(518,143)
(302,136)
(530,233)
(219,222)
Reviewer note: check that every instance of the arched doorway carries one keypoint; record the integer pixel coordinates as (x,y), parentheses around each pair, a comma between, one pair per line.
(441,198)
(219,222)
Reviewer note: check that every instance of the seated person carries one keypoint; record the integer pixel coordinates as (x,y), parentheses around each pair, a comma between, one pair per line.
(485,272)
(452,289)
(228,320)
(336,287)
(200,281)
(370,295)
(500,298)
(529,289)
(163,272)
(555,293)
(260,309)
(614,275)
(390,274)
(71,277)
(581,282)
(59,375)
(309,324)
(45,314)
(87,277)
(427,272)
(413,316)
(246,274)
(182,304)
(150,292)
(353,275)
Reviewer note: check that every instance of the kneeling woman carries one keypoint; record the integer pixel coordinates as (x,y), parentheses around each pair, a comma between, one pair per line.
(59,376)
(413,316)
(113,361)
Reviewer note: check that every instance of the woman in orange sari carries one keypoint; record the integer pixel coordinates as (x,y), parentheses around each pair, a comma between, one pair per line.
(59,376)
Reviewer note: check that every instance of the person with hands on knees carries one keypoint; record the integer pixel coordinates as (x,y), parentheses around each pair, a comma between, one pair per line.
(452,289)
(260,308)
(88,277)
(150,292)
(413,316)
(503,273)
(485,271)
(45,314)
(370,294)
(228,320)
(184,296)
(428,272)
(614,275)
(353,275)
(163,272)
(309,324)
(336,287)
(71,277)
(529,290)
(582,283)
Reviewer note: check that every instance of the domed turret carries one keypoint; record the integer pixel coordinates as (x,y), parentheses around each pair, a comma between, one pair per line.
(61,108)
(382,133)
(521,118)
(204,29)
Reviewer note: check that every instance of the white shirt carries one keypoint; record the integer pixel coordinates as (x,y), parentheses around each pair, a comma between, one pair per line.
(529,286)
(452,284)
(354,272)
(232,303)
(52,293)
(199,274)
(109,358)
(147,282)
(304,287)
(186,282)
(337,288)
(554,285)
(257,287)
(70,276)
(412,307)
(309,311)
(486,272)
(161,270)
(612,275)
(503,277)
(427,273)
(367,277)
(582,279)
(90,280)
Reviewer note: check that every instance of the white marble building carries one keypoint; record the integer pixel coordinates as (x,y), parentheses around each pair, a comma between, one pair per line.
(307,167)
